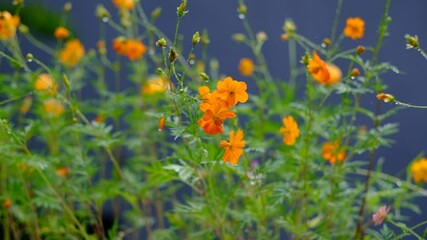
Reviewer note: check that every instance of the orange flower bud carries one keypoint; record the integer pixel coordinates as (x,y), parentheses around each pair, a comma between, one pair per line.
(162,123)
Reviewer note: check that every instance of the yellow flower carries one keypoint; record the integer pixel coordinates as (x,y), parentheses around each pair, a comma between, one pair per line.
(246,67)
(8,24)
(61,33)
(53,107)
(419,170)
(355,28)
(72,53)
(332,152)
(290,131)
(155,85)
(45,83)
(234,148)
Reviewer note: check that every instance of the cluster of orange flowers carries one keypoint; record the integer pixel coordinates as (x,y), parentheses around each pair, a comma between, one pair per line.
(419,170)
(328,73)
(8,24)
(131,48)
(290,131)
(333,152)
(216,107)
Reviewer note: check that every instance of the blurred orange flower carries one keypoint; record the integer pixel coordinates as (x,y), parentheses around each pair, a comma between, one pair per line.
(126,4)
(44,83)
(290,130)
(72,53)
(419,170)
(131,48)
(162,122)
(246,67)
(7,203)
(53,107)
(26,105)
(234,148)
(355,28)
(332,152)
(335,74)
(318,69)
(8,24)
(61,33)
(232,91)
(214,116)
(62,171)
(155,85)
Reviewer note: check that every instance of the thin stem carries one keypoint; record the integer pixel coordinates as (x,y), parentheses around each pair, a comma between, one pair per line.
(336,18)
(382,31)
(409,105)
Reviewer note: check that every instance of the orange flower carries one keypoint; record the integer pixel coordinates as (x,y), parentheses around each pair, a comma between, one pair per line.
(155,85)
(53,107)
(209,98)
(335,74)
(232,91)
(7,203)
(214,116)
(234,148)
(72,53)
(385,97)
(62,171)
(246,67)
(99,119)
(318,69)
(126,4)
(162,123)
(131,48)
(290,130)
(25,107)
(332,152)
(419,170)
(45,83)
(8,24)
(61,33)
(355,28)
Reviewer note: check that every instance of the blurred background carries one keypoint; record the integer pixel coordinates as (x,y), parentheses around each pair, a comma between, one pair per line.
(313,19)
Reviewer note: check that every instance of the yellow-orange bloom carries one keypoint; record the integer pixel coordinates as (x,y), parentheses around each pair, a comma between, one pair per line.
(62,171)
(355,28)
(44,83)
(72,53)
(208,98)
(8,24)
(126,4)
(290,131)
(26,105)
(332,152)
(7,203)
(335,74)
(419,170)
(232,91)
(318,69)
(61,33)
(234,148)
(214,116)
(162,122)
(155,85)
(246,67)
(53,107)
(131,48)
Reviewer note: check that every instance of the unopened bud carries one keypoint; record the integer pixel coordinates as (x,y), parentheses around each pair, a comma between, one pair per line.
(66,81)
(239,37)
(355,72)
(162,123)
(30,57)
(326,42)
(196,38)
(159,71)
(155,14)
(204,76)
(102,13)
(305,59)
(284,37)
(411,41)
(67,7)
(23,29)
(261,37)
(385,97)
(173,55)
(289,26)
(205,38)
(242,9)
(181,10)
(360,50)
(161,43)
(18,2)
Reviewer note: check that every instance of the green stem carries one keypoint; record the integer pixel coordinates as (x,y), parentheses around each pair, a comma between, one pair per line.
(382,31)
(336,18)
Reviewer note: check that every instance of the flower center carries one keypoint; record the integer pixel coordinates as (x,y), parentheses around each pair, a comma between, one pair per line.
(217,121)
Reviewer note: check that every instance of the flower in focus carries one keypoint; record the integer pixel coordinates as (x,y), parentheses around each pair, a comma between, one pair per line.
(214,116)
(131,48)
(419,170)
(246,67)
(380,215)
(61,33)
(208,98)
(72,53)
(290,130)
(45,83)
(332,152)
(62,171)
(385,97)
(8,24)
(355,28)
(53,107)
(318,69)
(155,85)
(335,74)
(125,4)
(234,148)
(232,91)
